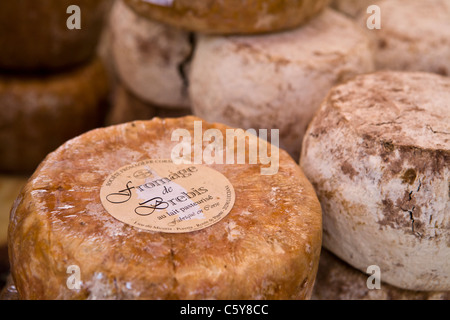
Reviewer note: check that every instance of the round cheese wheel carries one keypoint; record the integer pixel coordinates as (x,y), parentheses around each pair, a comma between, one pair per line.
(230,16)
(352,8)
(34,34)
(267,247)
(151,58)
(127,107)
(414,36)
(336,280)
(41,112)
(276,81)
(378,154)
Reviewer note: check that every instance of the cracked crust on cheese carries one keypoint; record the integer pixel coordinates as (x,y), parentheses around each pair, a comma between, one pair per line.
(230,16)
(378,155)
(276,81)
(267,247)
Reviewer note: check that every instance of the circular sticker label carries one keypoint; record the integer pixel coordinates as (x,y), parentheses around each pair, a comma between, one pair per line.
(158,195)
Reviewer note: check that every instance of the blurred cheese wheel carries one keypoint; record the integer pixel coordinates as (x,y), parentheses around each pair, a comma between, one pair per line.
(127,107)
(267,247)
(230,16)
(34,34)
(151,58)
(414,36)
(336,280)
(378,155)
(41,112)
(276,81)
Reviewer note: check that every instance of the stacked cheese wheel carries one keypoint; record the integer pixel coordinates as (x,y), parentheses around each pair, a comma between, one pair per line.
(52,85)
(378,154)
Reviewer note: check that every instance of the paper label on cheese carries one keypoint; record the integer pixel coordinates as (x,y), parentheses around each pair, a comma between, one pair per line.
(158,195)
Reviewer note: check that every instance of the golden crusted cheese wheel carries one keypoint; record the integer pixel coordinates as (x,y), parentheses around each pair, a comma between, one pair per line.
(276,81)
(230,16)
(378,155)
(39,113)
(151,59)
(336,280)
(127,107)
(34,34)
(266,247)
(414,35)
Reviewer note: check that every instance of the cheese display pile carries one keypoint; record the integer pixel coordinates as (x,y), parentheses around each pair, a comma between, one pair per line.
(230,150)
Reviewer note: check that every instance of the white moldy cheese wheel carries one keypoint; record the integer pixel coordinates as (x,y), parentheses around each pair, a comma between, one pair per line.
(40,112)
(276,81)
(151,58)
(267,247)
(127,107)
(378,155)
(336,280)
(414,36)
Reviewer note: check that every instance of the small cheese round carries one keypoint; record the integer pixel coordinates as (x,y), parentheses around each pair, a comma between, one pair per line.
(378,154)
(34,34)
(151,58)
(40,112)
(336,280)
(276,81)
(127,107)
(231,16)
(267,247)
(414,36)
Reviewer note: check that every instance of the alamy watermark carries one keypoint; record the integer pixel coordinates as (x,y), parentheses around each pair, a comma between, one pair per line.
(374,280)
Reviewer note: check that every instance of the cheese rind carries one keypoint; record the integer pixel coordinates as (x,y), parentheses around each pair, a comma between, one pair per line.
(378,155)
(268,246)
(39,113)
(276,81)
(34,34)
(231,16)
